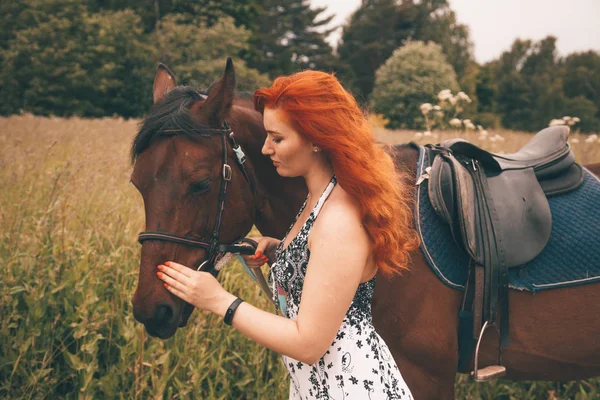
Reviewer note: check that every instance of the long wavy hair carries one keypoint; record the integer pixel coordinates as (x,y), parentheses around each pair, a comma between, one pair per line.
(329,116)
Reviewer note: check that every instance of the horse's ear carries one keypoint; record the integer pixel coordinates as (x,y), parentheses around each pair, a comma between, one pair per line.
(164,81)
(220,99)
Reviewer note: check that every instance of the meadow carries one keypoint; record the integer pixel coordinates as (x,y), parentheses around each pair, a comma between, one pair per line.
(69,220)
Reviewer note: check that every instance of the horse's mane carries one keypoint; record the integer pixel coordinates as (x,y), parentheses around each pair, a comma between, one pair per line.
(171,117)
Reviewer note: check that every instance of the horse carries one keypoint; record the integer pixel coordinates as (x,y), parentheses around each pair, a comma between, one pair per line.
(178,157)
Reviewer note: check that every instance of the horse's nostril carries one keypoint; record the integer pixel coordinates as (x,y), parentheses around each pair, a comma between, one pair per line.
(163,314)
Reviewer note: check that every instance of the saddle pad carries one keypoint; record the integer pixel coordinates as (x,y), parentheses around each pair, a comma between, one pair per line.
(572,256)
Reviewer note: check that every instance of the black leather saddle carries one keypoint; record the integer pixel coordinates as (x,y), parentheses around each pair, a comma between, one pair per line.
(497,208)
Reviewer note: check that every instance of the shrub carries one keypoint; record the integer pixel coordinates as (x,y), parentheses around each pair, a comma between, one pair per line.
(413,75)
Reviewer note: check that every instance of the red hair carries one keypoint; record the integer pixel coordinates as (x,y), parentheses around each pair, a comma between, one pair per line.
(325,113)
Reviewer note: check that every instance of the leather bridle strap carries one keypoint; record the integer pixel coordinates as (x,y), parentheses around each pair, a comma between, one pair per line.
(170,237)
(212,246)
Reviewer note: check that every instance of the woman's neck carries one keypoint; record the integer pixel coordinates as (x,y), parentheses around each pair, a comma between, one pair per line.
(317,180)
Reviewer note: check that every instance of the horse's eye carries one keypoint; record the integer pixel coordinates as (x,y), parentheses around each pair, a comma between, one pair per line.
(199,187)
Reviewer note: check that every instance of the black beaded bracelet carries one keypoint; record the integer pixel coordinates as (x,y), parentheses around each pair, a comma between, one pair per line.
(231,310)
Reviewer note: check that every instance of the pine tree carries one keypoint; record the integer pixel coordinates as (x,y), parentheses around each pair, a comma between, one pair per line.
(289,37)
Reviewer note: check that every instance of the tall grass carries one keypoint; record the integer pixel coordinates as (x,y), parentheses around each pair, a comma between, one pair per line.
(68,225)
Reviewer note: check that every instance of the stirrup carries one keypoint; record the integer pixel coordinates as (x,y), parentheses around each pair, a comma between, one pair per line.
(491,371)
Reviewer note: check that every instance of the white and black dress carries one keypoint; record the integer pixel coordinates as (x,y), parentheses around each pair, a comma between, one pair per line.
(358,364)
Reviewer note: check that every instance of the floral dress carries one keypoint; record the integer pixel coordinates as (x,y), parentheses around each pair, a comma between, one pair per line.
(358,364)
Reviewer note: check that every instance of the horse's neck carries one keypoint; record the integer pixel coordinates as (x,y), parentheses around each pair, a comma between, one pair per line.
(278,199)
(405,158)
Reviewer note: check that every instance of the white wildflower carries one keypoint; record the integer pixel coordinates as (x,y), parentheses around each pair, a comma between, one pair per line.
(482,137)
(479,128)
(483,133)
(591,138)
(499,138)
(469,125)
(452,100)
(566,118)
(437,108)
(427,133)
(455,123)
(556,122)
(574,140)
(445,95)
(418,135)
(493,139)
(576,119)
(463,96)
(439,113)
(425,108)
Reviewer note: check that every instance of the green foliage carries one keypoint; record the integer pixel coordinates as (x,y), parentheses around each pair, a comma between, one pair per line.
(198,53)
(379,27)
(73,62)
(529,85)
(288,38)
(414,75)
(208,12)
(586,110)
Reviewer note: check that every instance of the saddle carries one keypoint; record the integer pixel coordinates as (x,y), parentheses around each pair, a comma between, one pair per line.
(497,208)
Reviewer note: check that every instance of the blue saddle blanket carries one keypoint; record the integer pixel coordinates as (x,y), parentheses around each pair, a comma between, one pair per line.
(572,256)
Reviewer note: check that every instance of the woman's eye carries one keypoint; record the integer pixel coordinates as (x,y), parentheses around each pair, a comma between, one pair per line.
(276,140)
(198,187)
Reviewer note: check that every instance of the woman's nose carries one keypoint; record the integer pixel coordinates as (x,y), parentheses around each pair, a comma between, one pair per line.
(265,149)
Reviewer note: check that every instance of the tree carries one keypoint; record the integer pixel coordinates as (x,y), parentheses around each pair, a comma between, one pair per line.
(199,61)
(379,27)
(582,81)
(374,31)
(437,22)
(586,110)
(73,62)
(413,75)
(289,38)
(207,12)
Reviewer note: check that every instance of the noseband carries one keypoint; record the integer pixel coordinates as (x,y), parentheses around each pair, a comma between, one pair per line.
(212,246)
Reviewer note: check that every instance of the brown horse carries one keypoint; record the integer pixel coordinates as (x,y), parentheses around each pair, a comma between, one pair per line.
(554,334)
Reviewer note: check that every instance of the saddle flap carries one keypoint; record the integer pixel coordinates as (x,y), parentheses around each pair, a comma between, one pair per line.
(452,195)
(524,217)
(441,189)
(521,223)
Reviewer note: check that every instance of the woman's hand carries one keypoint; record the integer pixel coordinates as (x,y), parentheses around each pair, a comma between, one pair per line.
(266,246)
(199,288)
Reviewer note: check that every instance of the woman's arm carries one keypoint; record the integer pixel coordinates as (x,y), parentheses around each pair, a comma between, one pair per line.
(339,252)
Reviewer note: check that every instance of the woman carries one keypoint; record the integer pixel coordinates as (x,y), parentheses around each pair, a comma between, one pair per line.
(326,265)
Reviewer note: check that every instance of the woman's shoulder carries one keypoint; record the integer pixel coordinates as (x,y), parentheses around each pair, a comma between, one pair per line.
(342,204)
(340,211)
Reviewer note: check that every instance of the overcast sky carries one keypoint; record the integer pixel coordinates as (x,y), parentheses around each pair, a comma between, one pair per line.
(495,24)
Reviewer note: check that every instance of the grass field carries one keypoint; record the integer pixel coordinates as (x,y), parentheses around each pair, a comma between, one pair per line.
(69,220)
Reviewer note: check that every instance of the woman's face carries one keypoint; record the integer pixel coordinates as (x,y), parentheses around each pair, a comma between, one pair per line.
(290,151)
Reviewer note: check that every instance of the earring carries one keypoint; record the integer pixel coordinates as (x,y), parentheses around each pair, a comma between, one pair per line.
(315,149)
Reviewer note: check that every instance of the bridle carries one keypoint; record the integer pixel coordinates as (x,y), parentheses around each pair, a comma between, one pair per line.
(212,246)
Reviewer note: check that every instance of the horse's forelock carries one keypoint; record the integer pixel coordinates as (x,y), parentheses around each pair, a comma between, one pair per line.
(170,114)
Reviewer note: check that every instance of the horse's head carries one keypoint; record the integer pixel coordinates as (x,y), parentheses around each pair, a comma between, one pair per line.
(189,194)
